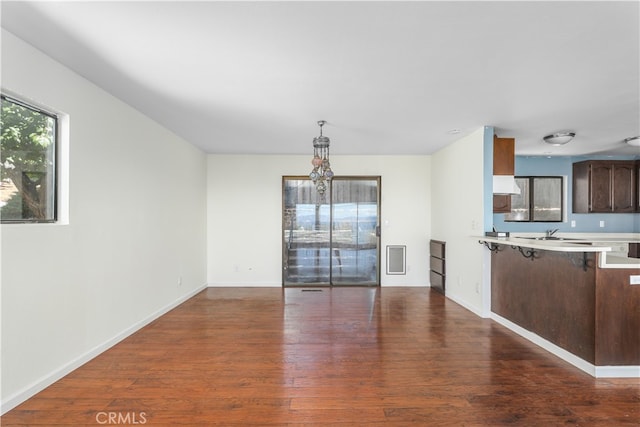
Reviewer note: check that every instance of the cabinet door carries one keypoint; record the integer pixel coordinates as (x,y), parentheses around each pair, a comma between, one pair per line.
(623,187)
(503,164)
(601,187)
(637,183)
(501,203)
(581,185)
(503,156)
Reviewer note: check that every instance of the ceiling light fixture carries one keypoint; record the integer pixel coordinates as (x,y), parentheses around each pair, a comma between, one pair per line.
(559,138)
(321,173)
(634,141)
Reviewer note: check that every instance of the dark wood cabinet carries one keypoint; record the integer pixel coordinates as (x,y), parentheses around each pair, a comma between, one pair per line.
(624,186)
(437,275)
(600,193)
(634,250)
(504,156)
(501,203)
(637,183)
(503,164)
(589,311)
(605,186)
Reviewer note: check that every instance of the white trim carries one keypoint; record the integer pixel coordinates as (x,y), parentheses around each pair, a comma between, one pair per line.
(245,285)
(618,371)
(62,169)
(466,305)
(300,285)
(594,371)
(404,285)
(17,398)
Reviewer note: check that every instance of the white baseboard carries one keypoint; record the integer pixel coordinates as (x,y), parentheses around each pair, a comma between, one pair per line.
(594,371)
(618,371)
(279,285)
(404,285)
(244,285)
(37,386)
(465,304)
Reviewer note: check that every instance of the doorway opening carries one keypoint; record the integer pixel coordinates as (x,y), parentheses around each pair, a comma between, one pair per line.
(331,239)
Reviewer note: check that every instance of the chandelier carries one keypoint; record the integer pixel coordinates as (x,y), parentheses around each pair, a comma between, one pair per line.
(321,173)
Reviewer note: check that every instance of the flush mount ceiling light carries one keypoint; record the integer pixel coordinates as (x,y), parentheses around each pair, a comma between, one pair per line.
(321,173)
(634,140)
(559,138)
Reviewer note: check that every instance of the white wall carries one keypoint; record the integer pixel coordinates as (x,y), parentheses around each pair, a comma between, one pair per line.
(458,194)
(137,221)
(245,214)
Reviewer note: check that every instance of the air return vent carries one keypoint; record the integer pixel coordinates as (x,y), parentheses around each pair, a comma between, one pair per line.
(396,259)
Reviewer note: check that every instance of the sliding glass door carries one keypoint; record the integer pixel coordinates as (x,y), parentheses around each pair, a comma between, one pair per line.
(331,239)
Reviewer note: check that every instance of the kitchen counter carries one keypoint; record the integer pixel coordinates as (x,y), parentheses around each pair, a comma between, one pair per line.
(606,245)
(572,296)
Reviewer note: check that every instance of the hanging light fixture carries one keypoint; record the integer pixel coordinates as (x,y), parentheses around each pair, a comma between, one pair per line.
(321,173)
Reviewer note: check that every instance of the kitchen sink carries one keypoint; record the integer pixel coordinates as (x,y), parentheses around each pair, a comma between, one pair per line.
(549,238)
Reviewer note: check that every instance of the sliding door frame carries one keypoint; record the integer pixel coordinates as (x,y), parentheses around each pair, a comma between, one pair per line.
(329,201)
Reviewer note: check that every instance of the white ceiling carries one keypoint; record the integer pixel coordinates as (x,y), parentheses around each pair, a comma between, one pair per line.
(388,77)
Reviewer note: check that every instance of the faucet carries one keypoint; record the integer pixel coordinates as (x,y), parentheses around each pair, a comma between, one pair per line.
(551,232)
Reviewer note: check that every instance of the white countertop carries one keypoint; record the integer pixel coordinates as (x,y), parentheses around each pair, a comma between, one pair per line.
(568,242)
(549,245)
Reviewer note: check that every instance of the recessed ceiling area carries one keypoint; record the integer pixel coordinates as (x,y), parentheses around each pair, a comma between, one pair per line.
(388,77)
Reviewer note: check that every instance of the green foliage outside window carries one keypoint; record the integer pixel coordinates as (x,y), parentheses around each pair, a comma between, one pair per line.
(27,163)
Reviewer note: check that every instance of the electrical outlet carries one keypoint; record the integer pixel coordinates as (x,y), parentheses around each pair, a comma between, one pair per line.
(573,223)
(179,281)
(634,280)
(601,224)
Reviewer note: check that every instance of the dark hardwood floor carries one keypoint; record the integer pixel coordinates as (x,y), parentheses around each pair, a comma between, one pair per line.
(341,356)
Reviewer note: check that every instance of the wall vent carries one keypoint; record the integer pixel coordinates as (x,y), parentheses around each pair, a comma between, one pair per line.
(396,259)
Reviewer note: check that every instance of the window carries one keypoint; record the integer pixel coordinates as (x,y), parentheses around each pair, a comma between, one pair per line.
(28,145)
(540,199)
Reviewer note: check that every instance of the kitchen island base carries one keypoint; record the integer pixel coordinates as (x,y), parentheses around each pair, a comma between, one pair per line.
(568,301)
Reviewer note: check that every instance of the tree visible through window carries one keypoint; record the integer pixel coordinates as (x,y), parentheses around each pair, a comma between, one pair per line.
(27,163)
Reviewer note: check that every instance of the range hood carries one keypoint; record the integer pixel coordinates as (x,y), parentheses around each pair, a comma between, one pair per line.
(505,184)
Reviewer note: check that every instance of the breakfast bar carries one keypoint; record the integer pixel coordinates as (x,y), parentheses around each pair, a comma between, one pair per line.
(576,294)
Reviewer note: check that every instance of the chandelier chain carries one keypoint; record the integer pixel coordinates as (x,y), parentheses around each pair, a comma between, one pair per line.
(321,174)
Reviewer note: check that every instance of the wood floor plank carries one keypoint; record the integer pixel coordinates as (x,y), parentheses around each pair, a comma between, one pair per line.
(342,356)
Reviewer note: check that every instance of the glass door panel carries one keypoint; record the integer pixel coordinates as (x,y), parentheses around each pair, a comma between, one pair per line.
(307,235)
(331,239)
(354,231)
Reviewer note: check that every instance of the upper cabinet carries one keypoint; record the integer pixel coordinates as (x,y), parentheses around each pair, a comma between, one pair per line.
(637,165)
(504,150)
(605,186)
(503,164)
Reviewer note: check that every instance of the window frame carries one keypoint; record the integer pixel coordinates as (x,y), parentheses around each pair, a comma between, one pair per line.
(57,137)
(531,189)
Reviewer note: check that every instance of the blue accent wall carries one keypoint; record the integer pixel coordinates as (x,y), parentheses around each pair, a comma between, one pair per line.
(585,223)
